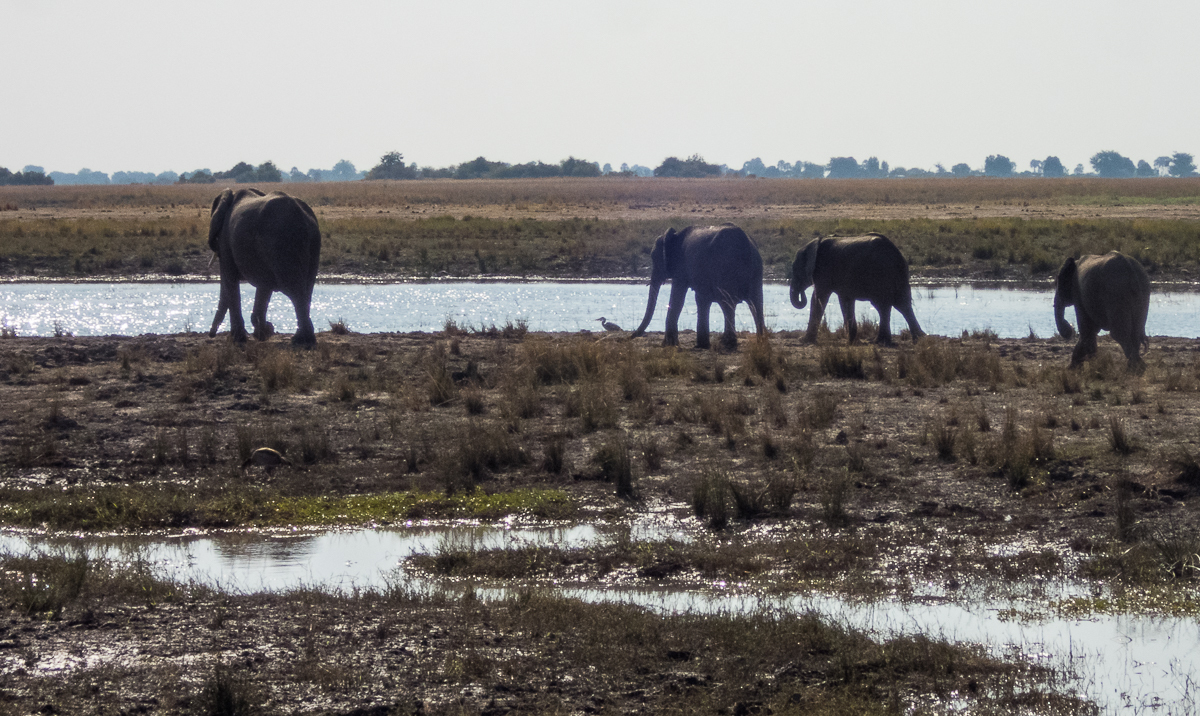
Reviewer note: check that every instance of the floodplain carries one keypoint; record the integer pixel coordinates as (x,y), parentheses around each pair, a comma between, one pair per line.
(960,468)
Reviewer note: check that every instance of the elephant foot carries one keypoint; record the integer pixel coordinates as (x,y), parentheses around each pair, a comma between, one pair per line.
(304,340)
(212,333)
(238,336)
(809,340)
(729,344)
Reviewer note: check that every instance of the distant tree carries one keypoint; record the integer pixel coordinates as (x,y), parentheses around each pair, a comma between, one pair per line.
(961,170)
(1145,170)
(391,166)
(24,178)
(844,168)
(810,170)
(437,173)
(872,168)
(167,177)
(1052,167)
(32,169)
(241,173)
(1182,165)
(606,169)
(295,175)
(1162,164)
(1035,166)
(572,167)
(1111,164)
(1078,170)
(477,168)
(940,169)
(268,173)
(998,165)
(200,176)
(315,175)
(692,167)
(342,171)
(755,166)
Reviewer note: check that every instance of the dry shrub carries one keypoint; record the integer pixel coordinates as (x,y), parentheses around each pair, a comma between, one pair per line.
(849,362)
(709,498)
(614,459)
(667,361)
(593,403)
(554,455)
(935,361)
(834,490)
(1118,437)
(276,368)
(484,449)
(758,357)
(820,410)
(555,361)
(521,397)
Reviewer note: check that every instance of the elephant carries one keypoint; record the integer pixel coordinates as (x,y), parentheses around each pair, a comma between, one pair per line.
(273,242)
(719,263)
(1109,292)
(856,268)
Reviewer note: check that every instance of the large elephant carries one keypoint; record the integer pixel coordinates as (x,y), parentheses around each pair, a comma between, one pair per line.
(719,263)
(1109,292)
(273,242)
(856,268)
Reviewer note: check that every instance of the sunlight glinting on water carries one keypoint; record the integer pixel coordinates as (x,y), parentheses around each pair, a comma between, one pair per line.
(97,309)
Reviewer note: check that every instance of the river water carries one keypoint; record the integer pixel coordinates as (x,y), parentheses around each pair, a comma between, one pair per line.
(1126,663)
(128,309)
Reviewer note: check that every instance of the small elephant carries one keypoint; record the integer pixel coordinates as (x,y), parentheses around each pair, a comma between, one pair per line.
(856,268)
(1109,292)
(273,242)
(719,263)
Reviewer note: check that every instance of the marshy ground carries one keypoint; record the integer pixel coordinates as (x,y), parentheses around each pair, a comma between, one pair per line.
(972,463)
(958,465)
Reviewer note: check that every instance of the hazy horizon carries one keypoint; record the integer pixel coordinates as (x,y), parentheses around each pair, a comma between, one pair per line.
(141,86)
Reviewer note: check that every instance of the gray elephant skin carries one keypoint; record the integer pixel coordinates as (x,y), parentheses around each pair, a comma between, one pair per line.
(856,268)
(273,242)
(1109,292)
(720,264)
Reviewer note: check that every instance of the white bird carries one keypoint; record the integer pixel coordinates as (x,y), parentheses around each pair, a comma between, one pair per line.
(608,325)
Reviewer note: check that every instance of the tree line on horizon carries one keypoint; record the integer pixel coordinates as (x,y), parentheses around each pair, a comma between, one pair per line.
(1107,164)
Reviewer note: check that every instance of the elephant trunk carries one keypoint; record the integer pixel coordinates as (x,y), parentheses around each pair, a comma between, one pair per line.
(650,304)
(799,300)
(1060,320)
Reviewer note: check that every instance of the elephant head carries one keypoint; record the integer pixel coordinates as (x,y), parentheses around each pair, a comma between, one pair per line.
(666,261)
(1065,290)
(802,272)
(222,207)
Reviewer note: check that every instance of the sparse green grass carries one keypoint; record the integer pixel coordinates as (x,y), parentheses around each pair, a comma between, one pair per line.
(408,241)
(120,508)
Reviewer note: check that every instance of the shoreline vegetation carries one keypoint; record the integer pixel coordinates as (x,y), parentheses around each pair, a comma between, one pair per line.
(975,229)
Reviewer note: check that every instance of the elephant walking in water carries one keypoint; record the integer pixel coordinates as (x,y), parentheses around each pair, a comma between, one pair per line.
(273,242)
(856,268)
(719,263)
(1109,292)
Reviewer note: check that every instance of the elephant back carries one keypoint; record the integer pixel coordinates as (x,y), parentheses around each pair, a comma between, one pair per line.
(723,256)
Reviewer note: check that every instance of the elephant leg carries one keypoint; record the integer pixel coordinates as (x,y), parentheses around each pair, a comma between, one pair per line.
(729,335)
(678,294)
(914,328)
(222,308)
(703,309)
(848,318)
(756,310)
(305,334)
(885,324)
(1086,347)
(816,311)
(258,317)
(1131,345)
(231,298)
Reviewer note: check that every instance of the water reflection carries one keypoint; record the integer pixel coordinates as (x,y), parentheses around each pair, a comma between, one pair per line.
(134,309)
(1125,661)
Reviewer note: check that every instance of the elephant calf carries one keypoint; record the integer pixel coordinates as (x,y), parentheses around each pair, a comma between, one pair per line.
(719,263)
(1109,292)
(856,268)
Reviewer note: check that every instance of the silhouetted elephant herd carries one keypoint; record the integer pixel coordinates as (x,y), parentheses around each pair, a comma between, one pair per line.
(273,242)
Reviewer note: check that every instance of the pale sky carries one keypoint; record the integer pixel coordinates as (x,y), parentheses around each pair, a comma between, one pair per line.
(152,86)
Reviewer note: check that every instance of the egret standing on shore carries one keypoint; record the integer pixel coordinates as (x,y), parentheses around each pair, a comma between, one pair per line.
(608,325)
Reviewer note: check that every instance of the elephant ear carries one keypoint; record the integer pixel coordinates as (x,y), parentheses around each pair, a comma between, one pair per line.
(221,207)
(672,250)
(810,261)
(1064,285)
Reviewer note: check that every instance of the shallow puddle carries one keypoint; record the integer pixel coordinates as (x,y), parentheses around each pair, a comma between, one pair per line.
(1128,663)
(130,309)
